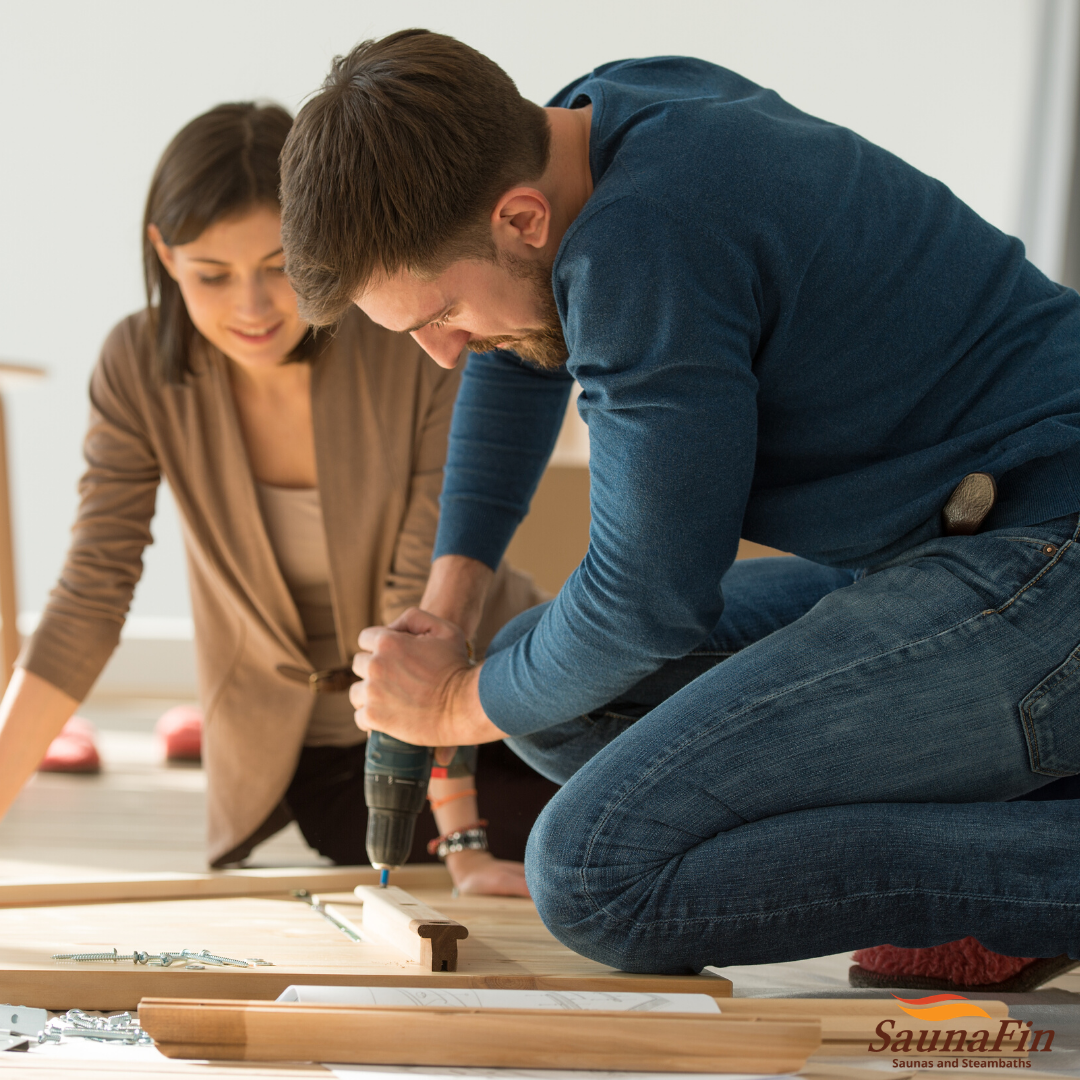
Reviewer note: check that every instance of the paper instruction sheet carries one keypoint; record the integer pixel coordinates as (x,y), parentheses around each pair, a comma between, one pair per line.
(499,999)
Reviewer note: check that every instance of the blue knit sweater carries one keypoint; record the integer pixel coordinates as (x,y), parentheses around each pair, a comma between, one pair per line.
(781,331)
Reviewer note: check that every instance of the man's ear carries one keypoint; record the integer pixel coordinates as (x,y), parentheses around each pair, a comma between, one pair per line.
(521,218)
(165,253)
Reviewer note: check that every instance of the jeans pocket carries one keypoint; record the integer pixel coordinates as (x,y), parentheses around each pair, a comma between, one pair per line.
(1051,717)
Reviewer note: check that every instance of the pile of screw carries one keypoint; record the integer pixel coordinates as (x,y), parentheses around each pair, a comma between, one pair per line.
(75,1024)
(194,961)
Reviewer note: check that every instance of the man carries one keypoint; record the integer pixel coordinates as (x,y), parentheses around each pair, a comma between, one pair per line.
(782,332)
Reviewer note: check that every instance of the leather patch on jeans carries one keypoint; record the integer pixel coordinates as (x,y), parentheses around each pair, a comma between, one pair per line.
(1051,717)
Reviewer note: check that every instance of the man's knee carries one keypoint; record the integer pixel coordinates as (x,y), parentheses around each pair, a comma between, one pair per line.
(581,888)
(554,859)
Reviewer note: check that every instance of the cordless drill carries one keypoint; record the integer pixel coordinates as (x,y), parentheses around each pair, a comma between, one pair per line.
(396,778)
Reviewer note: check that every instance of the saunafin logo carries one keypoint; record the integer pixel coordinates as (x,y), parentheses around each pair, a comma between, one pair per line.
(1012,1036)
(930,1008)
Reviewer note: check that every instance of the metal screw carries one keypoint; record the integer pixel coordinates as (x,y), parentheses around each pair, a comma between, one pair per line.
(90,957)
(195,960)
(221,961)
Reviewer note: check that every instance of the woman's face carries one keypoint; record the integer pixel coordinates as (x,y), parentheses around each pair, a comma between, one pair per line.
(232,279)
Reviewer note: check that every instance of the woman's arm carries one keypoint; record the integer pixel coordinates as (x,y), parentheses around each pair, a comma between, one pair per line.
(31,715)
(86,609)
(80,626)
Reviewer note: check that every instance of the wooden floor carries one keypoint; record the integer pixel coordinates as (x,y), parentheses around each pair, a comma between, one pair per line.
(136,814)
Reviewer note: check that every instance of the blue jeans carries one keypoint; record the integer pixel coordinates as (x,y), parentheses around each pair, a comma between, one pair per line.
(853,773)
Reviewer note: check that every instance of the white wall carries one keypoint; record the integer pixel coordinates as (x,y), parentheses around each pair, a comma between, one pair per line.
(91,92)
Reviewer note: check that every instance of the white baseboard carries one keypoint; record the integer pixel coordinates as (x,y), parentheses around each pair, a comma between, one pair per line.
(155,658)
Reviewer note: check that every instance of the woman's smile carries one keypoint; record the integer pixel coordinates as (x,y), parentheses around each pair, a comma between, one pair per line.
(257,335)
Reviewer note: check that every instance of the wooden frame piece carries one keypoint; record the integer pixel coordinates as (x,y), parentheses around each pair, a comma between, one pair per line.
(423,934)
(219,883)
(508,948)
(485,1038)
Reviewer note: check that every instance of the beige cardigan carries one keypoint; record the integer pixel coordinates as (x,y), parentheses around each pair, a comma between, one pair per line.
(381,412)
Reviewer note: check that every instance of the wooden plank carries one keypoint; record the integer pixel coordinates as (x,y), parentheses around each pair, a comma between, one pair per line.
(419,931)
(508,948)
(135,887)
(474,1037)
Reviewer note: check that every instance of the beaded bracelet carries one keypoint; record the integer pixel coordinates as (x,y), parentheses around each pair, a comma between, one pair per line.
(473,838)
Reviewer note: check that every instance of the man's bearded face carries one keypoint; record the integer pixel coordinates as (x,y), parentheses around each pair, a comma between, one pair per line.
(545,346)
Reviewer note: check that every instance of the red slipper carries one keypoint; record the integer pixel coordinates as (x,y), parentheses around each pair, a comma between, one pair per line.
(180,731)
(73,750)
(956,966)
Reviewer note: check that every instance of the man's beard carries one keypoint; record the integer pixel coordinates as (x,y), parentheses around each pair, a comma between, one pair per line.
(545,346)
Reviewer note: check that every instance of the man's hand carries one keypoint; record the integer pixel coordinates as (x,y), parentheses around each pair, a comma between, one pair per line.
(419,684)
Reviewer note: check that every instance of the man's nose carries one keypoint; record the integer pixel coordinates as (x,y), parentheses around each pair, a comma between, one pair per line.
(443,346)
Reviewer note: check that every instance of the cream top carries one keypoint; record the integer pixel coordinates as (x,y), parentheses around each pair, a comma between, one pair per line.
(294,523)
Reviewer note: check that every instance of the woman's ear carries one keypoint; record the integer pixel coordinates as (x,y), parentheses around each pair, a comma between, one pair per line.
(165,253)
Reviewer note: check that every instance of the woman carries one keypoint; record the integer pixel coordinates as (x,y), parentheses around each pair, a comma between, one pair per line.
(307,472)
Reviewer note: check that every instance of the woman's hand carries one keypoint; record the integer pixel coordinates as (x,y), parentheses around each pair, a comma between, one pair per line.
(479,873)
(419,684)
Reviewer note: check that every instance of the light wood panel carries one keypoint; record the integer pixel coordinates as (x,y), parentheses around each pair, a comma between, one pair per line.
(508,947)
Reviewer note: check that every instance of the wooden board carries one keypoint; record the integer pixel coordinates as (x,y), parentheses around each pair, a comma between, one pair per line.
(508,947)
(127,887)
(478,1037)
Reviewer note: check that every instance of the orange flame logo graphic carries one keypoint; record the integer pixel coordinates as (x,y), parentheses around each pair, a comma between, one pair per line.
(932,1009)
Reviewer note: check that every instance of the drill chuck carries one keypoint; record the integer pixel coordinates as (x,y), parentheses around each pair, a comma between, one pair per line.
(396,778)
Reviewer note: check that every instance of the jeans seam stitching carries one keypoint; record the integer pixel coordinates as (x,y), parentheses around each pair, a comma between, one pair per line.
(1035,580)
(1029,723)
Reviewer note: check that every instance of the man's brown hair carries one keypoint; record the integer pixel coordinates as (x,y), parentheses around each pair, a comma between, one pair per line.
(396,164)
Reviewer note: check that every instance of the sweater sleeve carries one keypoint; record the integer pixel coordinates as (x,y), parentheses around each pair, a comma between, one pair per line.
(416,537)
(506,421)
(663,355)
(81,623)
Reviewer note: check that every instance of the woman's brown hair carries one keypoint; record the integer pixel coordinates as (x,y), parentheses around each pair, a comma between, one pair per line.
(220,165)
